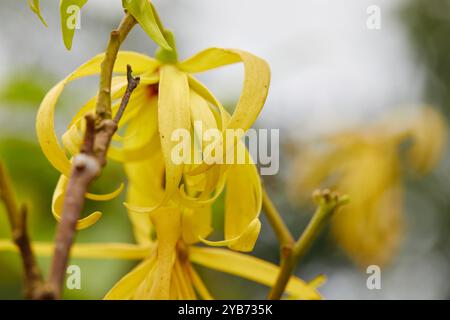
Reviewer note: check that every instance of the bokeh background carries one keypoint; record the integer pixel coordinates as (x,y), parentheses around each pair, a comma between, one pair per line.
(330,74)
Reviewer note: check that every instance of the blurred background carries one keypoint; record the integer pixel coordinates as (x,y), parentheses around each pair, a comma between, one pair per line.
(360,110)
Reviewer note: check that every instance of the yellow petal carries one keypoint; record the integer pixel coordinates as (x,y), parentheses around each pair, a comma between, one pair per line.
(144,128)
(256,81)
(45,118)
(196,224)
(58,201)
(249,267)
(201,90)
(429,135)
(243,202)
(209,59)
(242,205)
(126,287)
(145,189)
(167,222)
(213,179)
(124,251)
(118,86)
(173,114)
(106,196)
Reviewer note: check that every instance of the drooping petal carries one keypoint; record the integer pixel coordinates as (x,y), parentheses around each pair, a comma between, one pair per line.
(249,267)
(167,222)
(145,189)
(118,86)
(243,202)
(58,201)
(144,128)
(184,282)
(45,118)
(244,195)
(203,120)
(256,80)
(173,114)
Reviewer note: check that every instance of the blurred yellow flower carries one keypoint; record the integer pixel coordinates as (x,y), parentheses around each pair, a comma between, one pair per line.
(366,165)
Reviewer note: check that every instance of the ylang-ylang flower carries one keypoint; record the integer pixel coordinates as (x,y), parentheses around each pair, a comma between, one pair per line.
(366,164)
(170,98)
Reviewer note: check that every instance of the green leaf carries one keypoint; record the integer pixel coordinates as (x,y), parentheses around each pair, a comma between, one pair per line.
(142,11)
(34,6)
(70,13)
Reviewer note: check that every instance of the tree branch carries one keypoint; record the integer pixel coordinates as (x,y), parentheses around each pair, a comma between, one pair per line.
(17,217)
(87,165)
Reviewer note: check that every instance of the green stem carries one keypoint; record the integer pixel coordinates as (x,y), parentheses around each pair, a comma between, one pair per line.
(291,255)
(276,221)
(103,106)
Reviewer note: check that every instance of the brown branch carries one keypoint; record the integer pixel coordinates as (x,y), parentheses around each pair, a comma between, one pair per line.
(17,217)
(86,166)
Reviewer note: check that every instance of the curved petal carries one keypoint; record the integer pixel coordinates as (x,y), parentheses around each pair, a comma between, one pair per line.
(144,128)
(173,114)
(256,80)
(106,196)
(249,267)
(145,189)
(45,117)
(58,201)
(243,202)
(254,91)
(203,119)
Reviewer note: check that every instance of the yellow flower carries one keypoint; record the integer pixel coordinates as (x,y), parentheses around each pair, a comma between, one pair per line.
(366,165)
(171,98)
